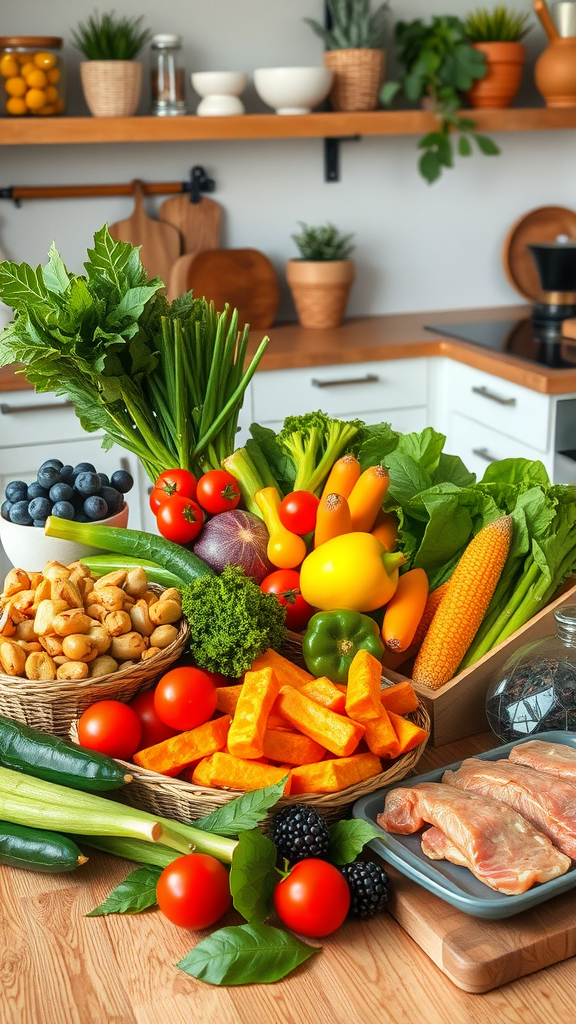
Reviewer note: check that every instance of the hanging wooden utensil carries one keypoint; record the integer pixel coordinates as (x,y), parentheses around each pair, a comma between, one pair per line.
(160,243)
(243,278)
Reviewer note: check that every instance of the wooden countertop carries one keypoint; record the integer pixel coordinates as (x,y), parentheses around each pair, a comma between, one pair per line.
(397,336)
(58,967)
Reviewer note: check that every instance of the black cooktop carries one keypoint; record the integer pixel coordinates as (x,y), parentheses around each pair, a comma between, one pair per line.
(518,338)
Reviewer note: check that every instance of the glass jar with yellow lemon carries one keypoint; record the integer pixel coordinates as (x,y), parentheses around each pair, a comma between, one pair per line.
(31,76)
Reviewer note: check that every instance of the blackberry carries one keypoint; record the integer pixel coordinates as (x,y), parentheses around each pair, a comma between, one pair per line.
(300,832)
(368,884)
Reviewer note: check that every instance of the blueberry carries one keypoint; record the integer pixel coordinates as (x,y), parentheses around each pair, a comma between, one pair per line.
(95,507)
(52,462)
(48,476)
(63,510)
(81,518)
(17,490)
(113,499)
(5,509)
(39,508)
(61,492)
(65,474)
(35,490)
(39,522)
(19,514)
(122,481)
(87,483)
(104,480)
(84,467)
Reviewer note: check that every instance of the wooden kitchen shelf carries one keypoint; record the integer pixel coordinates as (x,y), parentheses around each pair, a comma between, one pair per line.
(73,130)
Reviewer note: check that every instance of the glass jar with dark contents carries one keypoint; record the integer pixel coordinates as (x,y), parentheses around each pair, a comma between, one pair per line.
(168,88)
(535,690)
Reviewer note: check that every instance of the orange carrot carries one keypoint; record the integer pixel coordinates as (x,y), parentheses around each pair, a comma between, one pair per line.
(400,698)
(291,747)
(225,770)
(385,529)
(335,732)
(367,496)
(259,691)
(286,672)
(342,476)
(405,609)
(363,694)
(324,692)
(432,605)
(409,735)
(332,518)
(227,698)
(171,756)
(380,736)
(334,775)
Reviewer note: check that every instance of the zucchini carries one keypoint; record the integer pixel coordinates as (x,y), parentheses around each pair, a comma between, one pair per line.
(56,760)
(36,850)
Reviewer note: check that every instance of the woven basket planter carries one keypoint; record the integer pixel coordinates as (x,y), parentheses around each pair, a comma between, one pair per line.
(320,290)
(111,87)
(357,78)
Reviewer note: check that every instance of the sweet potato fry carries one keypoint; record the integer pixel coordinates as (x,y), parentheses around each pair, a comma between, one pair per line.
(259,691)
(400,698)
(227,698)
(332,776)
(278,722)
(171,756)
(285,671)
(381,737)
(338,734)
(291,747)
(363,695)
(324,692)
(229,772)
(409,735)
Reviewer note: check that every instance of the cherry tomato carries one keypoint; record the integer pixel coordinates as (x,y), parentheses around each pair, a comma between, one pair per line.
(285,584)
(314,899)
(298,511)
(179,519)
(154,730)
(185,697)
(176,481)
(218,491)
(194,891)
(110,727)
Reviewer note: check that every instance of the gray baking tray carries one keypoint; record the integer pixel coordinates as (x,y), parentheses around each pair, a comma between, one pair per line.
(454,884)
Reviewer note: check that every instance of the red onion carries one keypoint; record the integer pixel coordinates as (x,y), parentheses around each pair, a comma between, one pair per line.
(235,538)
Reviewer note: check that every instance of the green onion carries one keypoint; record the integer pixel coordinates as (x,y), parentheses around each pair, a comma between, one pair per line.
(132,849)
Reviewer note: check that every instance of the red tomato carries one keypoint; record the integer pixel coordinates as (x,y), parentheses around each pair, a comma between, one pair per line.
(185,697)
(110,727)
(298,511)
(154,730)
(179,519)
(314,899)
(176,481)
(194,891)
(218,491)
(285,584)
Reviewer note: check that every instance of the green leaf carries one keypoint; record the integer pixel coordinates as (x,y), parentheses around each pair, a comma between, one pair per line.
(55,274)
(348,838)
(243,813)
(451,469)
(388,91)
(376,442)
(430,166)
(21,287)
(486,145)
(464,147)
(134,894)
(253,875)
(247,954)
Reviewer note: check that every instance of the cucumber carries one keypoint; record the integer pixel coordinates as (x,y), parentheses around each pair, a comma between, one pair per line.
(37,850)
(103,564)
(55,760)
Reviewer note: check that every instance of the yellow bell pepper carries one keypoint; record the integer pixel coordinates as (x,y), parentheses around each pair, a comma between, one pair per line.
(351,571)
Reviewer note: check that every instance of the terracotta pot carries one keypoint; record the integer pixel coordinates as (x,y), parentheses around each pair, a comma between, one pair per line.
(357,78)
(555,73)
(504,62)
(320,290)
(111,87)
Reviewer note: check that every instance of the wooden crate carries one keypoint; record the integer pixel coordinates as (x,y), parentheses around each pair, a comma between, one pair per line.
(457,709)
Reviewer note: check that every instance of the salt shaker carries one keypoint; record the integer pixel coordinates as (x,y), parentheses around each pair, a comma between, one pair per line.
(168,97)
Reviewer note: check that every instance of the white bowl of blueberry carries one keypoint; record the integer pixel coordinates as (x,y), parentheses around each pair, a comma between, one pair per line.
(68,492)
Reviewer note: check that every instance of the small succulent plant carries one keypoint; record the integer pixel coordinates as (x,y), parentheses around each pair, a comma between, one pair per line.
(107,37)
(501,25)
(353,26)
(323,243)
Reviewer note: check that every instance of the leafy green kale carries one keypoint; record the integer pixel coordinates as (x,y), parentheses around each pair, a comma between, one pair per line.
(231,621)
(313,443)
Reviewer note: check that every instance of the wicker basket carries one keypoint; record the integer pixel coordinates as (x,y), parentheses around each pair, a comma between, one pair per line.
(52,706)
(357,78)
(111,87)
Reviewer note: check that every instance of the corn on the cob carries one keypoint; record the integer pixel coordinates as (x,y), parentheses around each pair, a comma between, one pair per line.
(432,605)
(464,605)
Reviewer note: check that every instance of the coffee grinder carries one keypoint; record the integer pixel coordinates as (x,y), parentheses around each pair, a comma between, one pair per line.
(556,265)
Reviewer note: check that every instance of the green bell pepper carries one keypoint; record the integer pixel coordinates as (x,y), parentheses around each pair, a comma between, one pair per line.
(332,639)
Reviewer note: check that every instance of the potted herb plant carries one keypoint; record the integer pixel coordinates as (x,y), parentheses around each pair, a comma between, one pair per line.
(497,35)
(320,280)
(353,52)
(111,76)
(441,65)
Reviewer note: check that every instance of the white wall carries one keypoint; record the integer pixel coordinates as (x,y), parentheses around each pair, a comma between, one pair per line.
(418,246)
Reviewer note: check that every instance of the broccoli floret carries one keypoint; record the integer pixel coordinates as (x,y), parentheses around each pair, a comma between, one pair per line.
(231,621)
(314,442)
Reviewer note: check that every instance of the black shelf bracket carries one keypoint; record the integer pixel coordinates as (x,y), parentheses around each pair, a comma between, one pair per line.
(332,155)
(199,182)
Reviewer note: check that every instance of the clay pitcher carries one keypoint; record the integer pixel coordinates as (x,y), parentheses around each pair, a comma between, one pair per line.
(555,71)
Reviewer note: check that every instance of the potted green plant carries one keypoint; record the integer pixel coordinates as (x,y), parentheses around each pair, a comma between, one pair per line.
(111,75)
(320,280)
(497,34)
(353,52)
(440,66)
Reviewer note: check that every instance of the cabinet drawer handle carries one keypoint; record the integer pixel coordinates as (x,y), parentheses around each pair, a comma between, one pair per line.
(8,410)
(486,393)
(370,378)
(483,453)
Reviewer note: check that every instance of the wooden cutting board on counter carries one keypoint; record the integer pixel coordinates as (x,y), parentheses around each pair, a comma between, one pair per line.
(480,955)
(160,244)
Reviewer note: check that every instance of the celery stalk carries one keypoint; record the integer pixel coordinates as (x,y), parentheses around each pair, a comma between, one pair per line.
(132,849)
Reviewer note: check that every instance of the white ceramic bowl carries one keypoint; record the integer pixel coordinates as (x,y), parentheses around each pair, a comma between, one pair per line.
(220,105)
(293,90)
(29,548)
(219,83)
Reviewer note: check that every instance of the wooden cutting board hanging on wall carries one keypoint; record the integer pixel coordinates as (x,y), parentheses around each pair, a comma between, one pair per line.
(199,227)
(160,243)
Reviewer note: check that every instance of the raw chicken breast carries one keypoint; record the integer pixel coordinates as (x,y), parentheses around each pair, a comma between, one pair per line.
(553,758)
(548,802)
(498,846)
